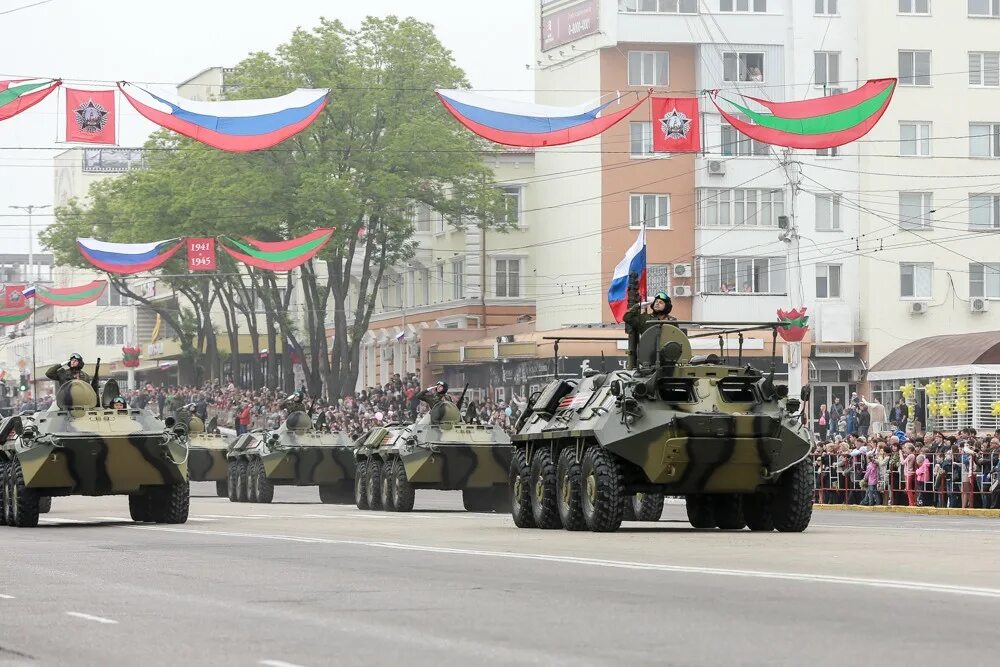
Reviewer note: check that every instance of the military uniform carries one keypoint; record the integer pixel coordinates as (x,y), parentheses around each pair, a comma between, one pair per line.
(430,396)
(61,374)
(638,322)
(294,406)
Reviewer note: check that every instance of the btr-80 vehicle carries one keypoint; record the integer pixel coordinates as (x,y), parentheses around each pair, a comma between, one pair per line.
(726,438)
(295,454)
(440,451)
(83,447)
(207,449)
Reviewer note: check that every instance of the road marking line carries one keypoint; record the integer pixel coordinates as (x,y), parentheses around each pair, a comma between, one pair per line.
(200,519)
(88,617)
(56,520)
(111,518)
(915,586)
(6,597)
(278,663)
(909,529)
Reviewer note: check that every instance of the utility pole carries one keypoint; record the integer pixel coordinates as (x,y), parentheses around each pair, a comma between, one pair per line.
(793,175)
(482,272)
(30,209)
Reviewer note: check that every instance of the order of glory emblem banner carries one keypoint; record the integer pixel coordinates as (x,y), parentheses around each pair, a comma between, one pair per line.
(90,116)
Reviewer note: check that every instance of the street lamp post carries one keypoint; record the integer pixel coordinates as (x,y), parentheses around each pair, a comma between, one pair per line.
(31,208)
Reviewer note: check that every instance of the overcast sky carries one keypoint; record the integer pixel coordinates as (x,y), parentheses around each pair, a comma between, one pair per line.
(142,41)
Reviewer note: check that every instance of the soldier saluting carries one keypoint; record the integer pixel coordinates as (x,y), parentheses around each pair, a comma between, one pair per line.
(294,403)
(63,373)
(433,395)
(636,321)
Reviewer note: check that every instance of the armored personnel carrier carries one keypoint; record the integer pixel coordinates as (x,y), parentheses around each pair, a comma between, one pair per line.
(726,438)
(295,454)
(83,447)
(440,451)
(207,449)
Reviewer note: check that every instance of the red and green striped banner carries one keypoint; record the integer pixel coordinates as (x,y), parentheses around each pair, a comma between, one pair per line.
(822,122)
(277,255)
(14,316)
(21,94)
(71,296)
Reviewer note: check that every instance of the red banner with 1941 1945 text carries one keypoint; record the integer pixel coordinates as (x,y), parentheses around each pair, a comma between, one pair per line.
(201,254)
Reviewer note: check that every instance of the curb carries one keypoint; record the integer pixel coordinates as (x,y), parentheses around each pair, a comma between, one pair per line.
(903,509)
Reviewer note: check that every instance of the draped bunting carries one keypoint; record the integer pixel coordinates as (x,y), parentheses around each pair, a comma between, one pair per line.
(127,258)
(14,316)
(21,94)
(277,255)
(71,296)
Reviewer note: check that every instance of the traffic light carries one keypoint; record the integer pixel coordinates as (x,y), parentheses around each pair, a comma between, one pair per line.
(23,386)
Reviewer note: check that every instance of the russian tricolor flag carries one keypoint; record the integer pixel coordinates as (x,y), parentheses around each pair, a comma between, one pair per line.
(633,262)
(127,257)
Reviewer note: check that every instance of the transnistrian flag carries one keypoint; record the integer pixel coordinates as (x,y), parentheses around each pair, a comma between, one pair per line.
(72,296)
(20,94)
(822,122)
(277,255)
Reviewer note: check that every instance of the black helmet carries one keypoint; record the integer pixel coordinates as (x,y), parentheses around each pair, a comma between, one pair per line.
(76,356)
(119,399)
(442,386)
(662,296)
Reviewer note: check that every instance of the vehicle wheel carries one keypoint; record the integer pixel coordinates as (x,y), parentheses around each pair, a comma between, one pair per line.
(699,511)
(242,482)
(792,505)
(44,504)
(544,508)
(647,506)
(404,494)
(518,480)
(628,509)
(568,491)
(138,507)
(170,503)
(603,496)
(23,502)
(222,488)
(232,481)
(262,485)
(360,484)
(477,500)
(336,494)
(757,512)
(373,489)
(728,511)
(386,486)
(252,490)
(3,492)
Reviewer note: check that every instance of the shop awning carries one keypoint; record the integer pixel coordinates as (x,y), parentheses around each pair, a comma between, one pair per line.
(836,364)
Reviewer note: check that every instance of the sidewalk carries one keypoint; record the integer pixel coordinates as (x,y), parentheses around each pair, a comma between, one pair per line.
(903,509)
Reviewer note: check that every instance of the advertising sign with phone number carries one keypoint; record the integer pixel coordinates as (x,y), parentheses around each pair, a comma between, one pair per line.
(570,24)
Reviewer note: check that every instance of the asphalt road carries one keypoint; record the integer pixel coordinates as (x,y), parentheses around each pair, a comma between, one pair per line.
(300,583)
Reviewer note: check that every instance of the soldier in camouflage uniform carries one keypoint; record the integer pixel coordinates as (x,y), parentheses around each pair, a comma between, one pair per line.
(636,321)
(294,403)
(434,395)
(63,373)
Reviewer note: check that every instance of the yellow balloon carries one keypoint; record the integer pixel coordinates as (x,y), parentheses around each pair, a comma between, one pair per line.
(932,408)
(945,409)
(947,385)
(931,389)
(996,408)
(962,387)
(961,405)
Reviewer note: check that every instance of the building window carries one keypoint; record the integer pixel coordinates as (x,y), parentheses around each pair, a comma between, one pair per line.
(651,210)
(112,297)
(641,139)
(827,64)
(915,280)
(737,144)
(508,272)
(984,68)
(915,139)
(828,281)
(657,278)
(742,5)
(828,213)
(659,6)
(828,152)
(914,68)
(915,210)
(110,335)
(457,279)
(989,8)
(984,280)
(743,66)
(984,212)
(648,68)
(425,284)
(439,223)
(440,283)
(422,218)
(984,140)
(740,206)
(826,7)
(746,275)
(512,204)
(914,6)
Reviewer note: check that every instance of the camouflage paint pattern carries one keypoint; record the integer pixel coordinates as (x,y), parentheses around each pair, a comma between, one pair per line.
(298,456)
(207,456)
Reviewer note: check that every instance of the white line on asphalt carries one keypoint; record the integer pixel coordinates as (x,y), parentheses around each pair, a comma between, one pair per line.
(111,518)
(915,586)
(58,520)
(908,529)
(6,597)
(278,663)
(88,617)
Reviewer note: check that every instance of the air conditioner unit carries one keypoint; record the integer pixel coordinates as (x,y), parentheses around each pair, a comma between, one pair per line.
(979,305)
(682,291)
(682,270)
(716,168)
(918,307)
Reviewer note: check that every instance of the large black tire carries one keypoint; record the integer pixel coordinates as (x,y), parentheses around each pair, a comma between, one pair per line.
(403,492)
(252,490)
(699,511)
(544,505)
(387,486)
(242,482)
(569,493)
(373,485)
(222,488)
(3,492)
(647,506)
(757,512)
(23,502)
(263,486)
(341,493)
(603,490)
(519,481)
(170,503)
(361,484)
(232,481)
(727,508)
(478,500)
(44,504)
(138,507)
(792,505)
(628,509)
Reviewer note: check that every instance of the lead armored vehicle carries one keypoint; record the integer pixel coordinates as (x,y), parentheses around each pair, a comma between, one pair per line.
(440,451)
(83,447)
(295,454)
(207,450)
(726,438)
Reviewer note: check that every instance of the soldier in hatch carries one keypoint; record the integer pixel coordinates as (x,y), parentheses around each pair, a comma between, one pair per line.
(63,373)
(434,395)
(636,321)
(295,403)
